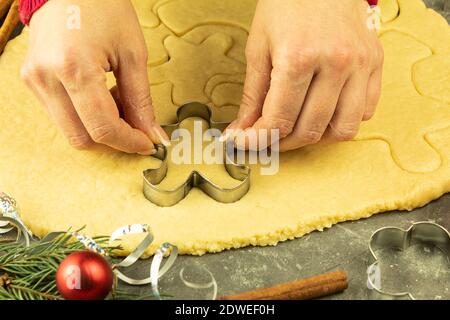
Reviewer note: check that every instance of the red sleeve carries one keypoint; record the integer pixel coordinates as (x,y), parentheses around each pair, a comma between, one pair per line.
(28,7)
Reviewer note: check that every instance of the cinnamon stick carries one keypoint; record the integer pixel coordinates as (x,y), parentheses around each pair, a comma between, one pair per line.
(305,289)
(4,7)
(10,23)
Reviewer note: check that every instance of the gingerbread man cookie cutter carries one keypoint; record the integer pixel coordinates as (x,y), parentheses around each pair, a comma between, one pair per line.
(401,239)
(167,198)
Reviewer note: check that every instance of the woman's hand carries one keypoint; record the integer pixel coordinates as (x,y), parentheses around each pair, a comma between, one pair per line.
(314,71)
(66,65)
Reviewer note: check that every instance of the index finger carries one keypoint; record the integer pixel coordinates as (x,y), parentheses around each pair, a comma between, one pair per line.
(100,116)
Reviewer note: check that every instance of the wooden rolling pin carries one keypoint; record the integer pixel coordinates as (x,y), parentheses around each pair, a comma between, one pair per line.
(11,21)
(305,289)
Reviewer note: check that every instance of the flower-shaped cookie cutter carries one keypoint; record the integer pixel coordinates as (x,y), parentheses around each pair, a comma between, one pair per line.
(168,198)
(401,239)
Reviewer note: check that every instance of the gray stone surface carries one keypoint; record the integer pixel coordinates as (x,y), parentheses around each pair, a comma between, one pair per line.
(345,246)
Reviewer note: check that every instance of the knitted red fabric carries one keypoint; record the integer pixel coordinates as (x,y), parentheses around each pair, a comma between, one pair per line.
(28,7)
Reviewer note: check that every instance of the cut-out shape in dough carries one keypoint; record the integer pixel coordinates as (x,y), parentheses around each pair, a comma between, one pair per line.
(222,78)
(404,117)
(165,109)
(154,38)
(224,113)
(390,10)
(432,75)
(184,15)
(147,18)
(190,66)
(227,94)
(431,71)
(421,23)
(239,36)
(158,4)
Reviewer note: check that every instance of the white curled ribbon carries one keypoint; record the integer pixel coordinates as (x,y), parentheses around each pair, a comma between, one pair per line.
(10,219)
(212,284)
(89,243)
(156,271)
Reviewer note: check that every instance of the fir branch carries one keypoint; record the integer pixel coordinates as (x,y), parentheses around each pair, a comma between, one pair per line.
(28,273)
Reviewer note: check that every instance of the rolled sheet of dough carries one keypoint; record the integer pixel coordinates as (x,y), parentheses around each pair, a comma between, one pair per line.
(400,160)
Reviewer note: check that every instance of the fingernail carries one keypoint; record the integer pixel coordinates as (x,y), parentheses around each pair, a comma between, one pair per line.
(150,152)
(166,143)
(224,137)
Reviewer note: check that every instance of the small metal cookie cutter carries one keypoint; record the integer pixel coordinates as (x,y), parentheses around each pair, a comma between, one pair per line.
(397,238)
(168,198)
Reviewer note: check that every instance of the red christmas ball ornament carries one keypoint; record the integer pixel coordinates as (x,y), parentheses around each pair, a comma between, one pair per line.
(84,275)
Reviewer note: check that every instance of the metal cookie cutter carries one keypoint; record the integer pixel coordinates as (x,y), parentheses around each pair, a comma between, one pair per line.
(391,237)
(167,198)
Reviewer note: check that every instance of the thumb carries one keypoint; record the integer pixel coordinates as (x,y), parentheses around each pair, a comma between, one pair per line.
(135,99)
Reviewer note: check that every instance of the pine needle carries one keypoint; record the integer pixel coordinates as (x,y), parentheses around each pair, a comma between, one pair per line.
(28,273)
